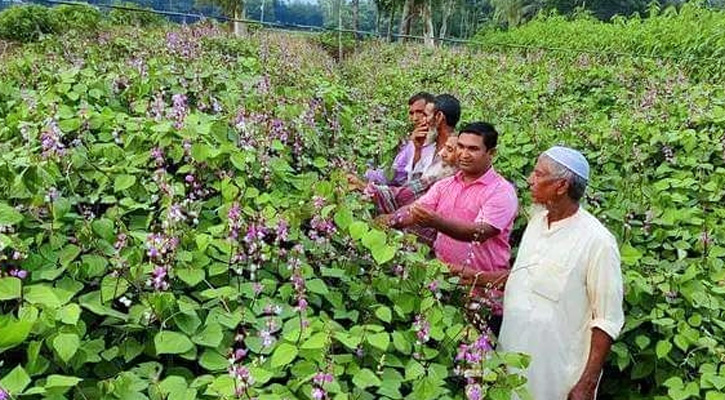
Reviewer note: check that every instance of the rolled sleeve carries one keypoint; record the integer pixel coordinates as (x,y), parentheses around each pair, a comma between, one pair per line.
(400,174)
(430,199)
(500,209)
(605,290)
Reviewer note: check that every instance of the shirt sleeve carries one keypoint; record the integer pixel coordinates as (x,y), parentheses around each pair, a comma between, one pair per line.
(605,290)
(400,175)
(430,199)
(500,209)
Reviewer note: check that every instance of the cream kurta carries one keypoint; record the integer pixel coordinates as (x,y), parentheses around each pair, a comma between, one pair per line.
(566,281)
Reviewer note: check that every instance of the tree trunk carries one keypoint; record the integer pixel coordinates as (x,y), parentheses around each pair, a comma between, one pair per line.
(429,30)
(391,18)
(404,28)
(355,16)
(240,29)
(447,11)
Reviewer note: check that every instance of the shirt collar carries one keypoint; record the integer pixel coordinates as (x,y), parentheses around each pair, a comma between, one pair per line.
(486,179)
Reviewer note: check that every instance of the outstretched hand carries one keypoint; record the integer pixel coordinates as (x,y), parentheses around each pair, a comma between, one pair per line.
(422,216)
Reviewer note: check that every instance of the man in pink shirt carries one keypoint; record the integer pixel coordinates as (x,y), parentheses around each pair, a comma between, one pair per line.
(473,211)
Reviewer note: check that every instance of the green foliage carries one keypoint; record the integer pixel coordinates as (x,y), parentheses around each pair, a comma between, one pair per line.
(173,199)
(25,23)
(691,36)
(76,17)
(653,133)
(133,16)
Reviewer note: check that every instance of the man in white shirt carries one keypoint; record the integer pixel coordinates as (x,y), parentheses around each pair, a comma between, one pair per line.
(563,297)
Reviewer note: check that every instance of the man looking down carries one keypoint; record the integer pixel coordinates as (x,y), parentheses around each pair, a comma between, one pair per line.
(563,297)
(473,211)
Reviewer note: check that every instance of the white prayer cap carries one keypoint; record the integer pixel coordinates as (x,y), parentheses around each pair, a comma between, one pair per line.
(573,160)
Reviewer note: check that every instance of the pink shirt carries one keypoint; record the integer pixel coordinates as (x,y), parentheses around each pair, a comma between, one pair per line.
(490,199)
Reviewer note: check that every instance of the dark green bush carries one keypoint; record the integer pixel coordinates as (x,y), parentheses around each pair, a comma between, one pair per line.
(76,17)
(134,18)
(25,23)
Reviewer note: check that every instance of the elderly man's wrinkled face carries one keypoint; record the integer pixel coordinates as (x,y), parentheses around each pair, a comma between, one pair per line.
(545,186)
(448,152)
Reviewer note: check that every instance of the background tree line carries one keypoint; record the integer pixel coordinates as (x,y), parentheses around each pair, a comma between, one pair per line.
(431,19)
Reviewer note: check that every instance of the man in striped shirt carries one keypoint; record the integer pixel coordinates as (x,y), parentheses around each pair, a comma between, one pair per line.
(473,211)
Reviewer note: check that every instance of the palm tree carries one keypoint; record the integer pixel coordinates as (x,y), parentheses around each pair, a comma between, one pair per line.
(514,12)
(233,9)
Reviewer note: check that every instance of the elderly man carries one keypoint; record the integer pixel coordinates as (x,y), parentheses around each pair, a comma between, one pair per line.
(563,297)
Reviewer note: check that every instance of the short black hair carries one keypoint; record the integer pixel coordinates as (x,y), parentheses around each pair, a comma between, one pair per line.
(429,98)
(450,107)
(484,130)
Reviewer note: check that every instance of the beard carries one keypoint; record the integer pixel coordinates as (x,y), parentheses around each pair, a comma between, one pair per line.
(432,136)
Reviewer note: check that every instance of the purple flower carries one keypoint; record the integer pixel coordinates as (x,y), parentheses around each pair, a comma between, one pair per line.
(258,288)
(158,155)
(321,378)
(179,110)
(50,141)
(302,304)
(18,255)
(238,355)
(4,395)
(19,273)
(189,178)
(158,278)
(318,393)
(474,392)
(267,337)
(422,328)
(433,286)
(318,202)
(282,230)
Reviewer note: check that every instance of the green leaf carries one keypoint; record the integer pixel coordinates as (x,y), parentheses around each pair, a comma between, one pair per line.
(41,295)
(283,355)
(10,288)
(14,331)
(380,340)
(123,182)
(365,378)
(9,215)
(401,343)
(170,342)
(316,341)
(358,229)
(66,345)
(113,287)
(663,348)
(190,276)
(70,314)
(104,229)
(384,314)
(211,336)
(213,361)
(317,286)
(62,381)
(343,218)
(15,381)
(68,254)
(630,255)
(383,254)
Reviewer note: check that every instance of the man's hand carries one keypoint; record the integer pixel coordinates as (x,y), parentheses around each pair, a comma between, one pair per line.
(423,216)
(384,220)
(419,135)
(355,182)
(583,390)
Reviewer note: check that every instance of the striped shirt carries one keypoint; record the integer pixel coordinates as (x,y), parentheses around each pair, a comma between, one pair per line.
(489,199)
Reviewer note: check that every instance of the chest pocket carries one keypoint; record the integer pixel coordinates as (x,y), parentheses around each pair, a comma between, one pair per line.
(550,279)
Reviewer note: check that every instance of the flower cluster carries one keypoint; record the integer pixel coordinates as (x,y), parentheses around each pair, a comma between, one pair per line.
(179,110)
(51,140)
(469,358)
(318,388)
(422,329)
(668,153)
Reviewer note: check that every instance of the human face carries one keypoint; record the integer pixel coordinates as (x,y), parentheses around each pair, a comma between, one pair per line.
(545,186)
(430,114)
(416,112)
(448,152)
(473,157)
